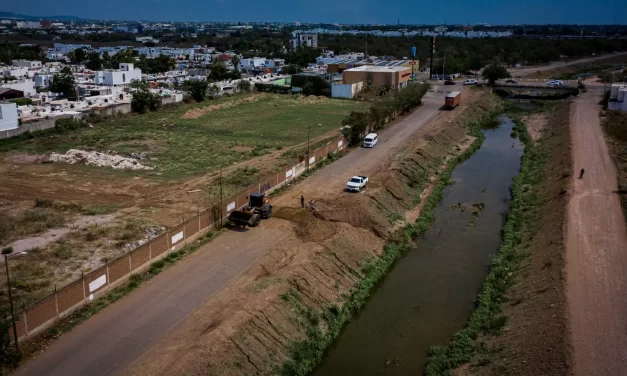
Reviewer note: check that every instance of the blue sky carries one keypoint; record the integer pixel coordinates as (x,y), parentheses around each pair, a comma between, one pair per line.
(340,11)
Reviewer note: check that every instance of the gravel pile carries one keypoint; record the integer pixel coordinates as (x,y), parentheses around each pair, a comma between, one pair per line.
(94,158)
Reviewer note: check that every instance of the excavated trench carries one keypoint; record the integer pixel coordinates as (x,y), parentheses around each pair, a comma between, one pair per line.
(429,294)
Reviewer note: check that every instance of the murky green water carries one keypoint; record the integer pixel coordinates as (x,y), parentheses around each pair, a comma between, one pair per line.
(429,294)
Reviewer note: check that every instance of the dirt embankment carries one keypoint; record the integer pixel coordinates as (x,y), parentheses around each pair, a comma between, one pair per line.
(561,68)
(253,326)
(615,128)
(535,339)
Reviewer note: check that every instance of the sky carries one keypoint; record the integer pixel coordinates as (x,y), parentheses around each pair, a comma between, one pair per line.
(337,11)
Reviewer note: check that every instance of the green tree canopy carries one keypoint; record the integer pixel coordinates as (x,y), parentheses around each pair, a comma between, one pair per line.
(197,89)
(94,61)
(495,71)
(63,82)
(143,100)
(77,56)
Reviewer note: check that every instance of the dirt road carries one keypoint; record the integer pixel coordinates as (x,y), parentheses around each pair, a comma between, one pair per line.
(596,250)
(364,161)
(110,341)
(527,71)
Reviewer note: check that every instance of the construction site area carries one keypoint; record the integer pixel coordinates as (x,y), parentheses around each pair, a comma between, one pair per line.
(248,237)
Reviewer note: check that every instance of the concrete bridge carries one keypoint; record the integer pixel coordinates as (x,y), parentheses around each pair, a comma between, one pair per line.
(537,89)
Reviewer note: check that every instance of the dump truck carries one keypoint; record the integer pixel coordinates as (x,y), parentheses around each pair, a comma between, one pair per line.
(253,212)
(453,99)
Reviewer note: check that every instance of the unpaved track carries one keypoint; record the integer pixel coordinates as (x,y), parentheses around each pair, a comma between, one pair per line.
(527,71)
(596,250)
(107,343)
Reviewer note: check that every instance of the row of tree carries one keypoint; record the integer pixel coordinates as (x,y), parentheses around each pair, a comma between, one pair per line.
(94,61)
(389,105)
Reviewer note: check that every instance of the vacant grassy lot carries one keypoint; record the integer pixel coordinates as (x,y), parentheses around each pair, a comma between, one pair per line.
(194,146)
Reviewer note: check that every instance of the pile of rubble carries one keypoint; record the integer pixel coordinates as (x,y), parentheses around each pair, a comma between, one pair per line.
(94,158)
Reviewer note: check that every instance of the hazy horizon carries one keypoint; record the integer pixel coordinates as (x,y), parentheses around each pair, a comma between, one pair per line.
(503,12)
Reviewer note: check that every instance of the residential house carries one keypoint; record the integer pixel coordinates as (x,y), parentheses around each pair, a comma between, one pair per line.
(123,76)
(30,64)
(8,116)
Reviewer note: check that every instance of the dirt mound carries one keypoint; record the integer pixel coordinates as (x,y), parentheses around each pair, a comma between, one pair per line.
(94,158)
(308,227)
(198,112)
(28,158)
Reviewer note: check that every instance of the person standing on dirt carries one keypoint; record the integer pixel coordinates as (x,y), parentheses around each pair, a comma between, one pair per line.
(302,201)
(581,173)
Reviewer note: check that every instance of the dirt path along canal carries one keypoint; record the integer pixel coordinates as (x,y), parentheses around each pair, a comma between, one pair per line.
(429,294)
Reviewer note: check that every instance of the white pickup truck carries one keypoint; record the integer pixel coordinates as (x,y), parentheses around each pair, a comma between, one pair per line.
(356,183)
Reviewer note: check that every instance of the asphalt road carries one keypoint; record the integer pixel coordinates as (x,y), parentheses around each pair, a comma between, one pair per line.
(111,340)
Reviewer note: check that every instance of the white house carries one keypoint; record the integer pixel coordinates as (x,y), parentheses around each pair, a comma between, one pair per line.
(618,98)
(42,80)
(13,71)
(8,116)
(27,25)
(27,86)
(31,64)
(122,76)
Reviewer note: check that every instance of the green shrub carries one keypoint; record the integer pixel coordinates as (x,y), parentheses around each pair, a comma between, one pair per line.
(7,250)
(22,101)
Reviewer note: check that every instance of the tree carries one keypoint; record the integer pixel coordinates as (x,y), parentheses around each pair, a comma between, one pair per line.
(291,69)
(197,89)
(63,82)
(94,61)
(474,63)
(235,61)
(143,100)
(77,56)
(495,71)
(244,86)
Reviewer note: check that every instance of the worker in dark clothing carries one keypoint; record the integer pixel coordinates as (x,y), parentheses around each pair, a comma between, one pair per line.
(302,202)
(581,173)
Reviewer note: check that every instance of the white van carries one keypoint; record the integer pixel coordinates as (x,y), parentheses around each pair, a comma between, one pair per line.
(370,140)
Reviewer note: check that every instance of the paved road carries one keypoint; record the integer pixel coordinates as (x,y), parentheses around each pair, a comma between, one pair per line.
(107,342)
(596,250)
(110,341)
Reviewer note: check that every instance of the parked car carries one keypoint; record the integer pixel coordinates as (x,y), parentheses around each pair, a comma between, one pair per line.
(471,81)
(357,183)
(555,83)
(370,140)
(510,81)
(449,82)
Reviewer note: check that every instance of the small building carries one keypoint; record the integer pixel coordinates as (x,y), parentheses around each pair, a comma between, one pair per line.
(8,93)
(395,77)
(123,76)
(42,80)
(618,98)
(305,40)
(26,86)
(8,116)
(30,64)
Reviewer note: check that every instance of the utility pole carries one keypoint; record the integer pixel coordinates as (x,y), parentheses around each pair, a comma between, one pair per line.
(6,264)
(221,203)
(444,62)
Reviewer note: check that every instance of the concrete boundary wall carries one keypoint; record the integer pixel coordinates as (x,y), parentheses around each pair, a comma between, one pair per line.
(45,313)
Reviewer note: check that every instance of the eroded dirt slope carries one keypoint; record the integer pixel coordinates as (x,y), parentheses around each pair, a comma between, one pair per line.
(248,327)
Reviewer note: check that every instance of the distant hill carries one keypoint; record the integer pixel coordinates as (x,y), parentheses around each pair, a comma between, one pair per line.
(16,16)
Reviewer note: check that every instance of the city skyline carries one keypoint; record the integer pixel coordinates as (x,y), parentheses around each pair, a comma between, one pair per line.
(505,12)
